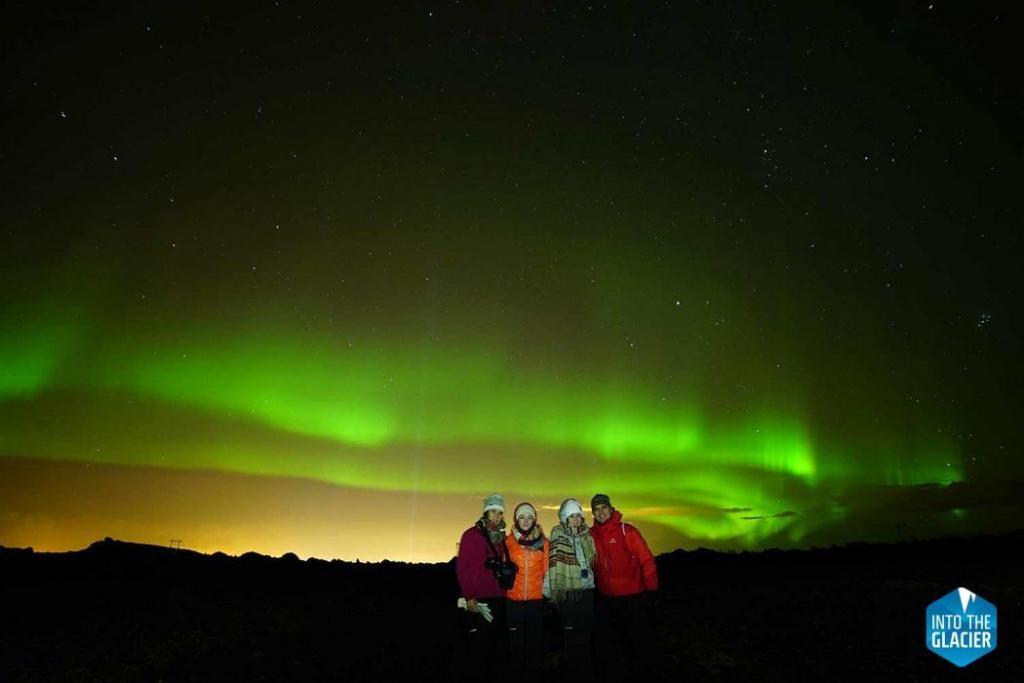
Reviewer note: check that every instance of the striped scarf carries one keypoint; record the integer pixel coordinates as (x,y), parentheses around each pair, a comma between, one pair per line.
(564,566)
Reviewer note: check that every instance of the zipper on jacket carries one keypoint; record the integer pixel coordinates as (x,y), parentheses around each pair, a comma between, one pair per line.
(526,581)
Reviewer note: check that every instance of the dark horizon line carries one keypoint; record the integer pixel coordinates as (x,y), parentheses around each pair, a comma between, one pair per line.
(701,550)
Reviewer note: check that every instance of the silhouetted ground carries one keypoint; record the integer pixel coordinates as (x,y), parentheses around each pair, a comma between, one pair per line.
(121,611)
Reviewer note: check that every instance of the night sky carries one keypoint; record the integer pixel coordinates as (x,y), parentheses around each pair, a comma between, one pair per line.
(285,277)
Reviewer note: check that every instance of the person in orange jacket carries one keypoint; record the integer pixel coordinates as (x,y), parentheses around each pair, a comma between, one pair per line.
(626,575)
(528,548)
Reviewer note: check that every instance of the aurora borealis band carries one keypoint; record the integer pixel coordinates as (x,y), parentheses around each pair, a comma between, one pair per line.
(297,278)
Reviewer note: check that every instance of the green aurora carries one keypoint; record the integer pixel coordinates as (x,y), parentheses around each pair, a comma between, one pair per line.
(359,415)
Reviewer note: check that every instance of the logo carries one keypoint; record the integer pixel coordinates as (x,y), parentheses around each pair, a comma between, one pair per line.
(961,627)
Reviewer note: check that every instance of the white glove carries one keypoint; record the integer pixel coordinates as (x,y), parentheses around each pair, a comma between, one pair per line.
(481,608)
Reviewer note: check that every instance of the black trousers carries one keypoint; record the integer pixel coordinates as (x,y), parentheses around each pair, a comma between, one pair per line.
(624,639)
(577,627)
(525,635)
(484,645)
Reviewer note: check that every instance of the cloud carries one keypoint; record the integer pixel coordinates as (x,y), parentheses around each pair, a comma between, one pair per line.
(934,498)
(777,515)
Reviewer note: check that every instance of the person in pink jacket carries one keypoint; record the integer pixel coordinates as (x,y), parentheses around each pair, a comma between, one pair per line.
(482,618)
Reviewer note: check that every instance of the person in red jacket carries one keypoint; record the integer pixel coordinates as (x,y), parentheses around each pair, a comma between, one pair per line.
(625,572)
(482,616)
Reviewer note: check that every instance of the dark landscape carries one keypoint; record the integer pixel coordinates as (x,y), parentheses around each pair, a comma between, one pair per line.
(121,611)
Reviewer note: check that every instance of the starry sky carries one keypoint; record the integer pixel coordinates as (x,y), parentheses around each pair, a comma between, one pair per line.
(304,277)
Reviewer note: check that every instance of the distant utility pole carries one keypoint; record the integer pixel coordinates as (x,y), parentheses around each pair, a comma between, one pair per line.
(176,543)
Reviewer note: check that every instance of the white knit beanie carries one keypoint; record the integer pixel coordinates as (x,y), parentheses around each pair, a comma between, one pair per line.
(494,502)
(570,506)
(533,510)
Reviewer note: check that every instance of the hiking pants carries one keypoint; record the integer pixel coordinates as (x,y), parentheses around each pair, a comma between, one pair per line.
(577,626)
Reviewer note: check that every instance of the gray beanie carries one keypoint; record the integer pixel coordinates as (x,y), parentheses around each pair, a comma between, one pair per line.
(494,502)
(599,499)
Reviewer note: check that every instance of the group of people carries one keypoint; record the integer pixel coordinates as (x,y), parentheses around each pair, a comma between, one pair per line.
(505,579)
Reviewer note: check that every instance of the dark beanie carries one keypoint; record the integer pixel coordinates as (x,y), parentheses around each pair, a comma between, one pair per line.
(598,499)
